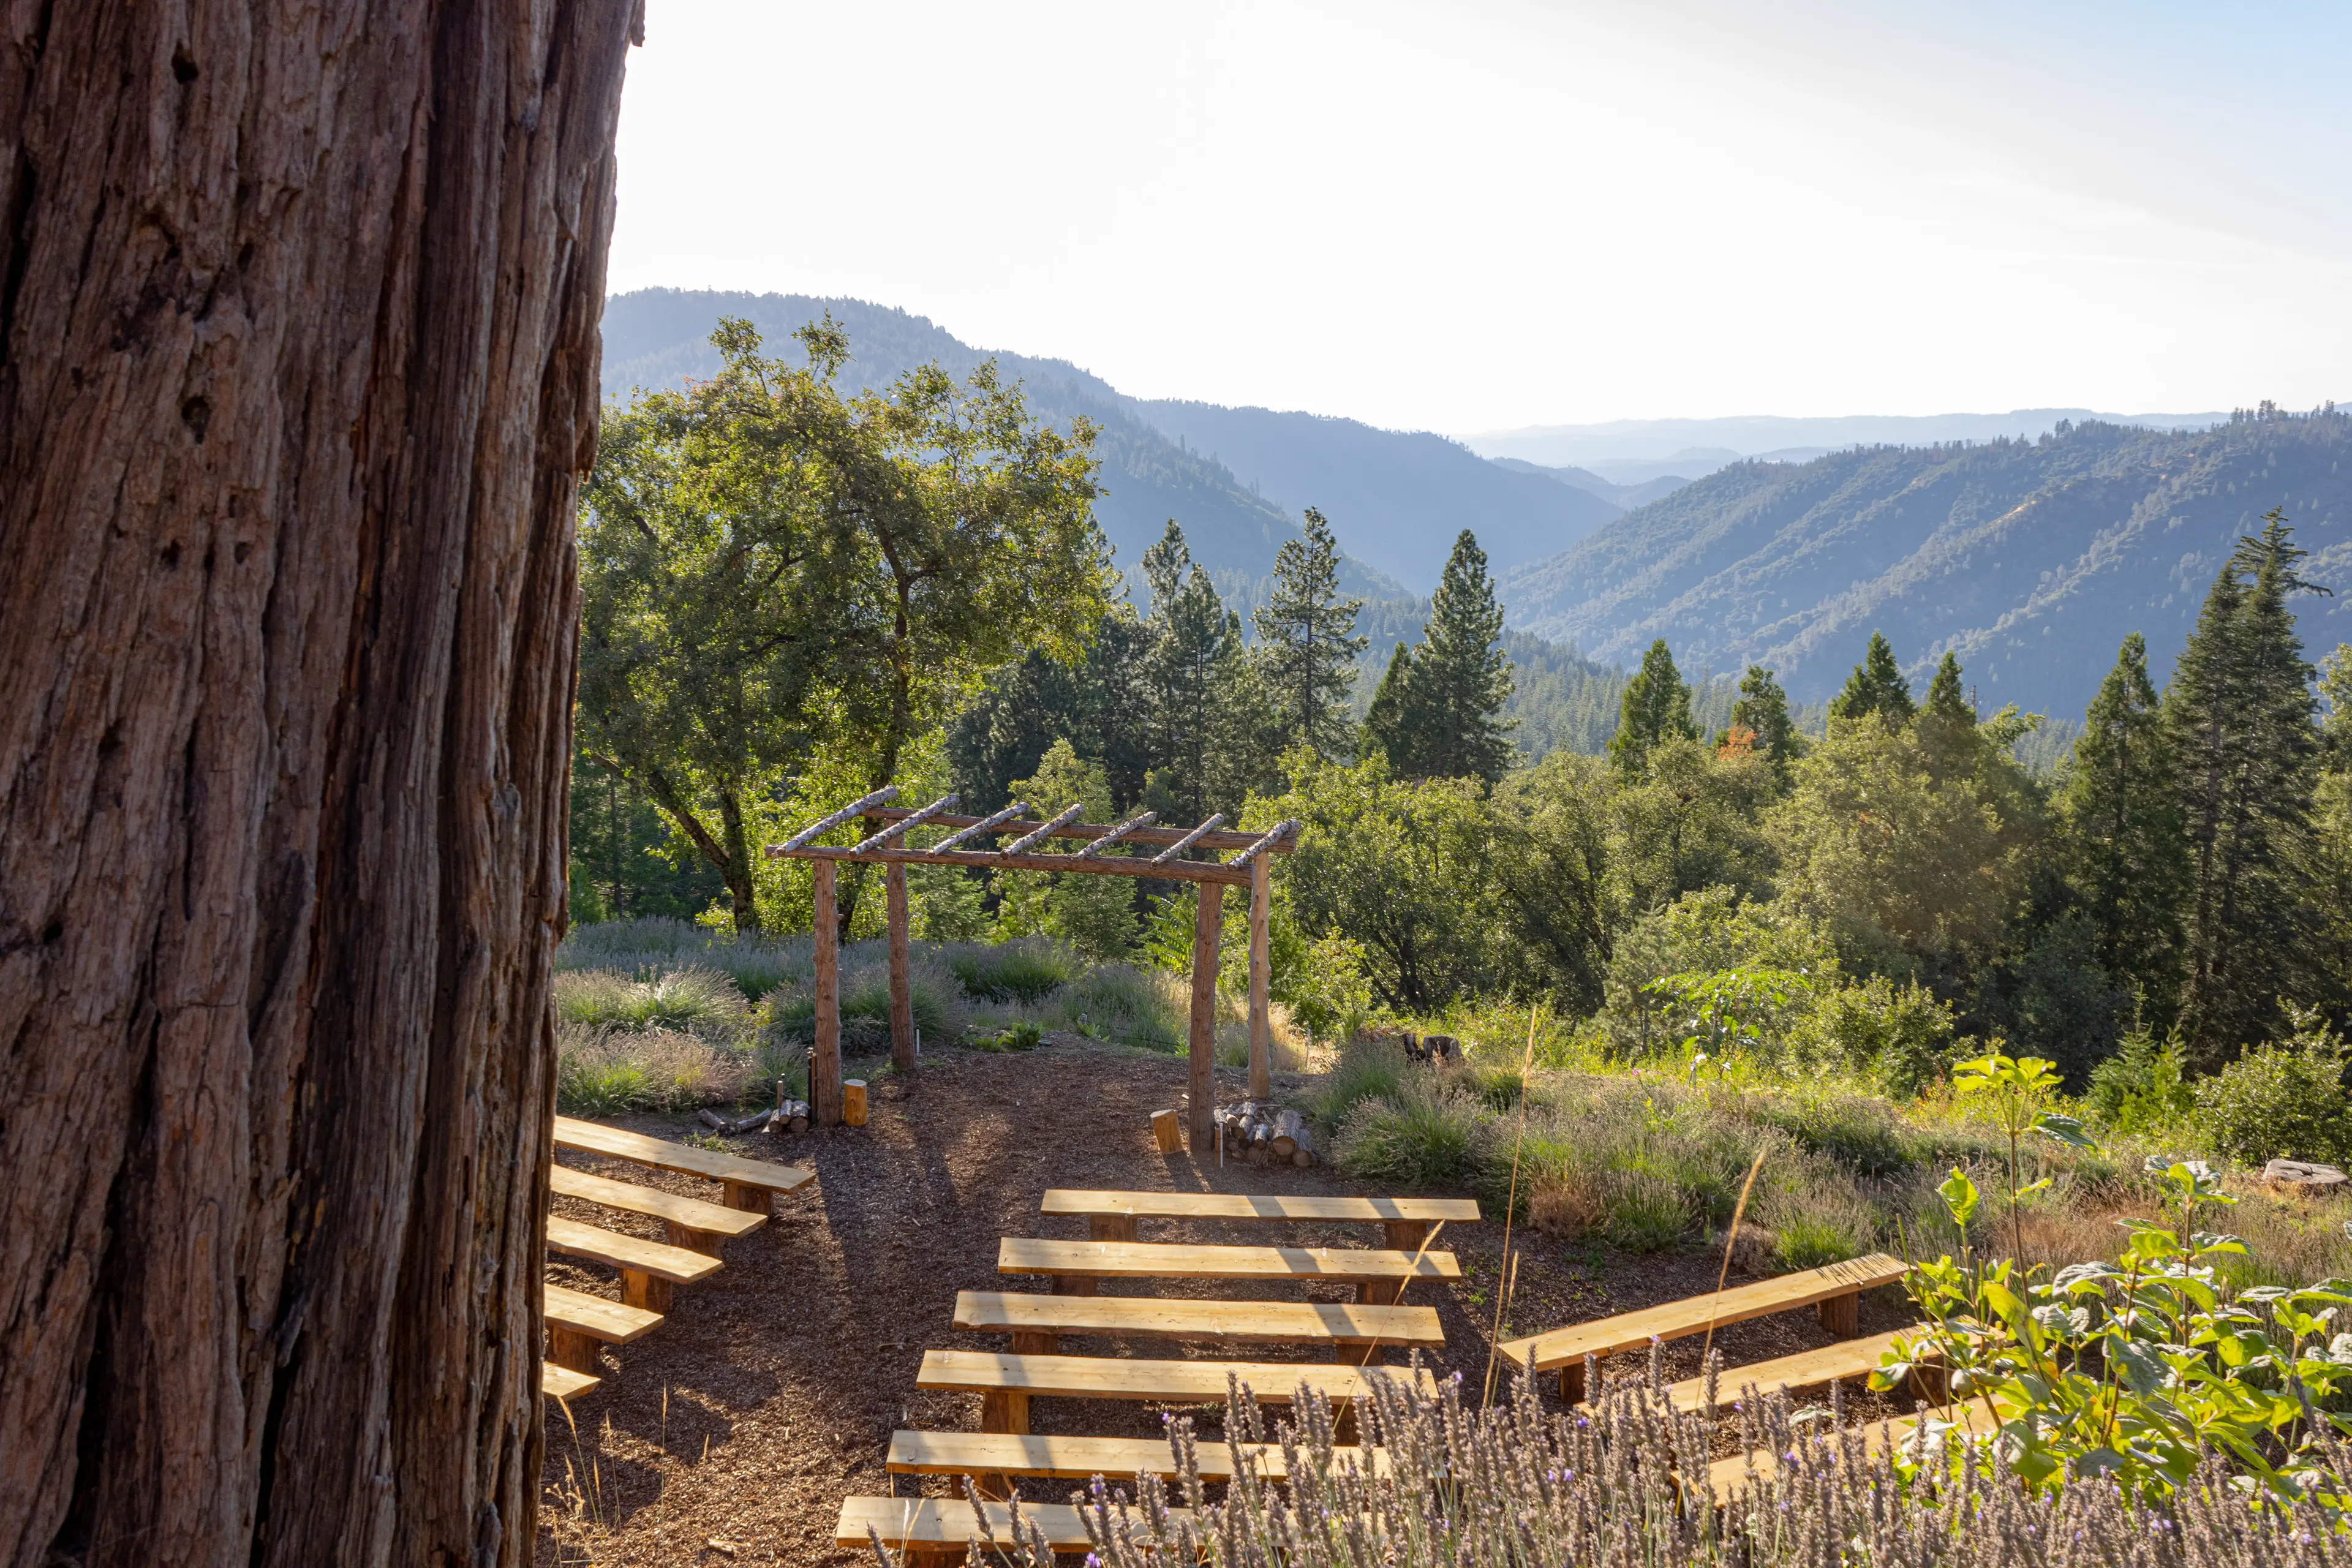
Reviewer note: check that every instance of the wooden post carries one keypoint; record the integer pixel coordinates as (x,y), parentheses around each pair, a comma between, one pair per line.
(902,992)
(1208,924)
(853,1102)
(1167,1131)
(1261,976)
(1841,1315)
(825,1062)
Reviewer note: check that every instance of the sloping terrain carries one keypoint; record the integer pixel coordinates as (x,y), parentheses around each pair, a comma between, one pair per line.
(2031,560)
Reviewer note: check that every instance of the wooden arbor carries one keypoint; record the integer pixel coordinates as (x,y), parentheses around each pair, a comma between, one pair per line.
(1251,866)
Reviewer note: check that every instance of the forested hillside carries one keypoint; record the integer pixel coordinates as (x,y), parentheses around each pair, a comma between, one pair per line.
(2029,559)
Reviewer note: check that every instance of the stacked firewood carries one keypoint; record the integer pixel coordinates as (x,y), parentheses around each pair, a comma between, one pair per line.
(1266,1134)
(789,1116)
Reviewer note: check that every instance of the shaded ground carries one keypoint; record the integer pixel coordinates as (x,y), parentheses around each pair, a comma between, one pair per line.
(772,1390)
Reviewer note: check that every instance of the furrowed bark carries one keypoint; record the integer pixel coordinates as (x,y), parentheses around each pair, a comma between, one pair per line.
(298,373)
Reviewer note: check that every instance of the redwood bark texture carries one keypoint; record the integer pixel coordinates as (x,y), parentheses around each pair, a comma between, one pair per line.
(298,370)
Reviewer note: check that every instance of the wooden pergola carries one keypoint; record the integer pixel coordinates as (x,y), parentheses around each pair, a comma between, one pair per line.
(1251,865)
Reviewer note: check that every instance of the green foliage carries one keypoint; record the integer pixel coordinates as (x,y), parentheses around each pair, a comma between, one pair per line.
(1367,1069)
(1900,1036)
(693,999)
(1762,710)
(2126,859)
(1027,972)
(2240,715)
(1021,1035)
(1419,1135)
(769,569)
(1212,731)
(1876,689)
(1092,912)
(1656,708)
(2284,1101)
(658,944)
(1437,714)
(2144,1087)
(1307,644)
(2134,1370)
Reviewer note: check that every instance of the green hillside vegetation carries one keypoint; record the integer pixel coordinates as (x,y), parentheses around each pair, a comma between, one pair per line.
(2030,560)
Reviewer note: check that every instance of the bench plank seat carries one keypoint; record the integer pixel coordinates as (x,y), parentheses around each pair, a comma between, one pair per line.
(674,1264)
(1269,1206)
(1083,1459)
(562,1382)
(1568,1347)
(749,1184)
(692,1214)
(1160,1317)
(1159,1260)
(578,1323)
(948,1522)
(1161,1382)
(1807,1369)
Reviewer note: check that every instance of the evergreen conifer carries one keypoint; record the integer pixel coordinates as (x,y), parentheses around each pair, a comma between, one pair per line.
(2239,713)
(1947,725)
(1190,632)
(1762,709)
(1383,732)
(2126,863)
(1306,642)
(1448,716)
(1656,708)
(1877,686)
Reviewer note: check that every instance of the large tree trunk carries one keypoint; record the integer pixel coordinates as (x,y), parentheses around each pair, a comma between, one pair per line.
(298,370)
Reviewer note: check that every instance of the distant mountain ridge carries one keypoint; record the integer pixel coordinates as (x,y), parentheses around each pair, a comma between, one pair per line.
(2029,559)
(1235,479)
(1622,442)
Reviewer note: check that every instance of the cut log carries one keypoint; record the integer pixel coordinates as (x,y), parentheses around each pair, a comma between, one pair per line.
(853,1102)
(1167,1131)
(1288,1126)
(2302,1177)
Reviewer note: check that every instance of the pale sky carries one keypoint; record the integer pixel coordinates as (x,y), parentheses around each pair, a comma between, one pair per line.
(1477,215)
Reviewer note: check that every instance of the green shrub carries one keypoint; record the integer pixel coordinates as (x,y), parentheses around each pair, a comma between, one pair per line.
(1420,1136)
(603,1072)
(2144,1087)
(1903,1035)
(656,944)
(1133,1007)
(1024,972)
(1367,1069)
(1816,1217)
(694,998)
(2284,1101)
(1498,1084)
(1864,1135)
(1643,1211)
(1021,1035)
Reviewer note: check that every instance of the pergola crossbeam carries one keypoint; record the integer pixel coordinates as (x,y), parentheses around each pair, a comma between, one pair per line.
(1021,846)
(1115,834)
(826,825)
(897,828)
(1279,832)
(973,829)
(1178,848)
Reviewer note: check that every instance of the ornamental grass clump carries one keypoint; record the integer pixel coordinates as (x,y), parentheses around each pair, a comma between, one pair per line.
(1627,1483)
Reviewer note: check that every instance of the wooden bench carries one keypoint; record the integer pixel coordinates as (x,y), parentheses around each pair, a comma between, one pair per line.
(1807,1369)
(692,1224)
(1111,1216)
(750,1185)
(1037,1323)
(1007,1383)
(938,1528)
(1835,1291)
(578,1323)
(1076,1266)
(978,1454)
(648,1268)
(562,1382)
(1725,1476)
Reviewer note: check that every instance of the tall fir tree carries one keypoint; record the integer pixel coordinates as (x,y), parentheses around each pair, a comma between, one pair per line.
(1383,734)
(1306,642)
(2332,834)
(1190,631)
(2125,862)
(1875,687)
(1450,721)
(1656,706)
(2240,715)
(1762,710)
(1948,723)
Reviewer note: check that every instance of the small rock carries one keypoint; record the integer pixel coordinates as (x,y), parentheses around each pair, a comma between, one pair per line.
(2303,1177)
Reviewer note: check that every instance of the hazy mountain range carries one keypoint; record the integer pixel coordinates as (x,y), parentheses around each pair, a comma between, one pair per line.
(2029,541)
(2030,558)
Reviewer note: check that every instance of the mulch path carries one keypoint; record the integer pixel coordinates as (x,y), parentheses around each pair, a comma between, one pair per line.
(770,1392)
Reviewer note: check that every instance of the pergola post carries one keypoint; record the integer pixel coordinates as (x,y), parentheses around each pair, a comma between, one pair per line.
(824,1061)
(1261,977)
(1208,925)
(902,992)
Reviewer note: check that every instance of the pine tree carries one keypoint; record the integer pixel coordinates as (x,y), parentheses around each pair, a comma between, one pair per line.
(1877,686)
(1383,732)
(1948,723)
(1189,630)
(1762,710)
(2239,713)
(1458,678)
(1306,642)
(2126,860)
(1656,708)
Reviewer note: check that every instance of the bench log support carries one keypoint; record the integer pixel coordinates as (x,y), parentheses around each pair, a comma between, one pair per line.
(1842,1315)
(570,1347)
(703,1241)
(1111,1227)
(757,1200)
